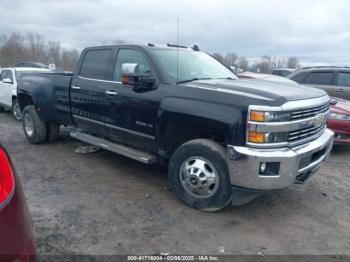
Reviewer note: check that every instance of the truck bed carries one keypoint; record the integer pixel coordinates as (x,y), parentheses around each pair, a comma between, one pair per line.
(51,92)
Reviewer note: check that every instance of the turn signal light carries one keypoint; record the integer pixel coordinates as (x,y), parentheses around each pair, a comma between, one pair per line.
(256,137)
(6,177)
(257,116)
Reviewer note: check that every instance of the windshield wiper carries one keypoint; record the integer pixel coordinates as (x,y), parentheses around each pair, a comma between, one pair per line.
(192,79)
(229,78)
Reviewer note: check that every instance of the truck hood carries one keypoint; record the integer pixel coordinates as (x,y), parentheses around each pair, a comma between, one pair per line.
(272,93)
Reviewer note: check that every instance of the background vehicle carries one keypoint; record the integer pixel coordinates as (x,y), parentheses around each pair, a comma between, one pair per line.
(266,77)
(32,64)
(339,120)
(16,233)
(334,80)
(8,87)
(224,139)
(282,71)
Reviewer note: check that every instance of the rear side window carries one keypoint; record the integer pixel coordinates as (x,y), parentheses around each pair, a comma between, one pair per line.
(320,78)
(96,63)
(343,79)
(299,78)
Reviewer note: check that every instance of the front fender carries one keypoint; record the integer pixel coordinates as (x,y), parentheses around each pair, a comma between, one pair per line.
(226,118)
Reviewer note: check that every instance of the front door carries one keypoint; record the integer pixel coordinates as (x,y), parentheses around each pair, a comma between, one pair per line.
(88,90)
(342,88)
(6,89)
(132,116)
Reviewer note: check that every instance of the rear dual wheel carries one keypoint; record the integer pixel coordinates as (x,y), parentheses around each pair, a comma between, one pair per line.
(36,130)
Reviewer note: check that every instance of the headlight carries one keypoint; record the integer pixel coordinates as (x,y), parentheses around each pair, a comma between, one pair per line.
(339,116)
(260,138)
(261,116)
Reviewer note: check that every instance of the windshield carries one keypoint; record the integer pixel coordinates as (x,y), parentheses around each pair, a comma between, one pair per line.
(192,65)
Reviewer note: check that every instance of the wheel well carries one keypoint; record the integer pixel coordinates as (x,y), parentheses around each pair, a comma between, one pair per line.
(24,100)
(178,133)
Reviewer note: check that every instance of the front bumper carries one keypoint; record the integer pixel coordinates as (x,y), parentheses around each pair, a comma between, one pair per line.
(295,164)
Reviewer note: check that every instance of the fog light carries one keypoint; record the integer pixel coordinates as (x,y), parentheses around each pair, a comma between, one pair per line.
(262,167)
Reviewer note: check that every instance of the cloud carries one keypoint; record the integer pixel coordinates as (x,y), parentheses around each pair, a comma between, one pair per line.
(316,30)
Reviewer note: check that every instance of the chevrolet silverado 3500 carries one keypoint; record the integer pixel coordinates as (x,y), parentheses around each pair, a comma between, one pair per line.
(224,140)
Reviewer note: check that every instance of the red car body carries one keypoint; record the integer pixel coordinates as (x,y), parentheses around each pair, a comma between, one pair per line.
(340,127)
(16,232)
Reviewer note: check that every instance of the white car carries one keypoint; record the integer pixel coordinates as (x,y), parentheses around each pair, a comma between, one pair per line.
(8,87)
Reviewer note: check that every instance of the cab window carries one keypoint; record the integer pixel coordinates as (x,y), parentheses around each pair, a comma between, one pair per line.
(6,74)
(96,63)
(343,79)
(320,78)
(130,56)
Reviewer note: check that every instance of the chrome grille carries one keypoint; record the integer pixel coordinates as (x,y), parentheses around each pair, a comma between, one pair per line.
(310,112)
(306,133)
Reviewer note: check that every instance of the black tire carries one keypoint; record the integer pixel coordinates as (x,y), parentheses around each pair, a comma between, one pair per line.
(2,109)
(53,131)
(16,110)
(215,155)
(39,128)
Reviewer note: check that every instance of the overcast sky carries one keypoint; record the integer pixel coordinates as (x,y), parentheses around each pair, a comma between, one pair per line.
(316,31)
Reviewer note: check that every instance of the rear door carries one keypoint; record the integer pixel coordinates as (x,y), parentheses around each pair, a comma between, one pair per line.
(322,79)
(88,90)
(342,88)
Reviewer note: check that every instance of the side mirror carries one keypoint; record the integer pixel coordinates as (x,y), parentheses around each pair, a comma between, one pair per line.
(7,81)
(139,82)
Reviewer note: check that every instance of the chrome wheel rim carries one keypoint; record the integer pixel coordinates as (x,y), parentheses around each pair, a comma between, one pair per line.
(17,111)
(199,177)
(28,125)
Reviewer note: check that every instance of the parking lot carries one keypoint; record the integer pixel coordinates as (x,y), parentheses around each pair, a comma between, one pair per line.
(104,203)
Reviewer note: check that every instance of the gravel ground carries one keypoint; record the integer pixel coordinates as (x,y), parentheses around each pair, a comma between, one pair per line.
(104,203)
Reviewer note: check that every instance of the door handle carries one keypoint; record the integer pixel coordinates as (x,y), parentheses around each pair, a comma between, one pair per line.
(76,87)
(111,93)
(341,90)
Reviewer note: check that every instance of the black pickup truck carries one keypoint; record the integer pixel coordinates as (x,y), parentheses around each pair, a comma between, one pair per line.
(224,139)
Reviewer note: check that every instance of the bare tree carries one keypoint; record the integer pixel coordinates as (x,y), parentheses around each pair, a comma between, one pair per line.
(231,59)
(219,57)
(69,59)
(37,47)
(293,62)
(243,63)
(265,65)
(13,49)
(54,53)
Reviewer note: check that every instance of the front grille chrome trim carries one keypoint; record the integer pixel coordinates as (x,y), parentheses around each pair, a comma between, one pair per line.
(308,122)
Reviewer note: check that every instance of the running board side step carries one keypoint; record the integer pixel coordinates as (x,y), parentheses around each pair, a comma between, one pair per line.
(138,155)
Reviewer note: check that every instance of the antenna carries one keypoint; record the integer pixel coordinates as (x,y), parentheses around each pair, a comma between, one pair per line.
(177,48)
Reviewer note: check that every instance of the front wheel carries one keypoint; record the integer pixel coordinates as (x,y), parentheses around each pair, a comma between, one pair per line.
(16,110)
(199,175)
(34,127)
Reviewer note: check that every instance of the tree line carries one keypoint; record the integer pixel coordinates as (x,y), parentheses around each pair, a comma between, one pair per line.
(263,64)
(16,48)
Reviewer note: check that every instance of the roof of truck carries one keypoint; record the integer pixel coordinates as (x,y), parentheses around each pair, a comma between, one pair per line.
(148,46)
(24,69)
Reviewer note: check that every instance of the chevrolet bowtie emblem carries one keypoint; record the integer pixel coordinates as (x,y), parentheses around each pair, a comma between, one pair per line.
(319,120)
